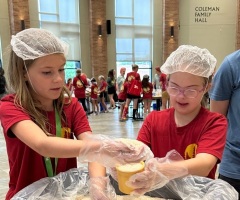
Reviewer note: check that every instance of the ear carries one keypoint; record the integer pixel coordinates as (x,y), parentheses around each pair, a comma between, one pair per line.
(25,76)
(208,87)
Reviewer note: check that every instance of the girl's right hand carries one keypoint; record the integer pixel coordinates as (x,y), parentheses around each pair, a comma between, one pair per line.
(110,152)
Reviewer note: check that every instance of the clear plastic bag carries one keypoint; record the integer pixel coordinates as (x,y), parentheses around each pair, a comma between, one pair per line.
(68,185)
(64,186)
(196,188)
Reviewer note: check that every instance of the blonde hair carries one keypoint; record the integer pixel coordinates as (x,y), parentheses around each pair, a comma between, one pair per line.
(24,98)
(101,77)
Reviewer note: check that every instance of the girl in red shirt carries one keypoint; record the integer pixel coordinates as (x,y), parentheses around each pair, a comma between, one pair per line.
(40,124)
(147,88)
(186,139)
(69,85)
(122,96)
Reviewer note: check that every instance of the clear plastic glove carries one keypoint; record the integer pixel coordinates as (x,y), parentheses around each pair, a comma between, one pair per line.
(101,189)
(110,152)
(158,172)
(113,172)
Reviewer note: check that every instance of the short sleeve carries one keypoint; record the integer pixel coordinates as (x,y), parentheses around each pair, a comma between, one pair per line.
(223,82)
(79,122)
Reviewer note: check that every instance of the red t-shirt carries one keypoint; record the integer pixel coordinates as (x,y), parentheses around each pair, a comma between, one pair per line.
(130,77)
(103,86)
(204,134)
(163,79)
(69,86)
(147,92)
(123,92)
(94,91)
(26,165)
(80,86)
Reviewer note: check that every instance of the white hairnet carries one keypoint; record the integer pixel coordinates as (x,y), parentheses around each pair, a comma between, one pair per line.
(191,59)
(33,43)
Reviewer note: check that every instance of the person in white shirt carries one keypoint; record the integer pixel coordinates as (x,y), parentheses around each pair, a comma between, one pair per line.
(120,79)
(157,85)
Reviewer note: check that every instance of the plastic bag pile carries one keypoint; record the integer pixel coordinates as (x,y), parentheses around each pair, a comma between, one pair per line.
(68,185)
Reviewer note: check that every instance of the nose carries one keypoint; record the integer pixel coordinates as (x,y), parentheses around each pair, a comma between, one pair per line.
(181,93)
(58,77)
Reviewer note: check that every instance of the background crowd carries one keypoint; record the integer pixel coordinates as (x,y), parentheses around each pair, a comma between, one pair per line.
(118,92)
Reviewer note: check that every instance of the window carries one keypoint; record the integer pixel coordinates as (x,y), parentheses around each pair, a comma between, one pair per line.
(144,67)
(61,17)
(70,68)
(134,35)
(133,29)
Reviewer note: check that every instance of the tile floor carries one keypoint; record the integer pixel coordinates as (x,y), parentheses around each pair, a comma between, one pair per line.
(105,123)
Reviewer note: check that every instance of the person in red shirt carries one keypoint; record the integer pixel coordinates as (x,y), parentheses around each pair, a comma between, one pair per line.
(69,85)
(130,77)
(94,96)
(40,123)
(80,83)
(147,89)
(122,96)
(194,132)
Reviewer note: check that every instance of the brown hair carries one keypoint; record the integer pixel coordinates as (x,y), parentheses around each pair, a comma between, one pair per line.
(1,71)
(134,66)
(205,99)
(145,81)
(78,71)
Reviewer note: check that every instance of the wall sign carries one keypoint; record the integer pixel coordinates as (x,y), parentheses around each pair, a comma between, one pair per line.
(202,14)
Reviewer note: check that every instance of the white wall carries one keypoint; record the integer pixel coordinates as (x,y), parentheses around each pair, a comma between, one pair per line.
(216,32)
(85,38)
(33,14)
(157,34)
(111,45)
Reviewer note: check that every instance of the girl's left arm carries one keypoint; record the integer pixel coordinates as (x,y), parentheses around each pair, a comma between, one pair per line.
(201,165)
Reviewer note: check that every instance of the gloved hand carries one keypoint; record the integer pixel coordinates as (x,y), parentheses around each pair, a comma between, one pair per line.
(113,172)
(109,152)
(101,189)
(157,173)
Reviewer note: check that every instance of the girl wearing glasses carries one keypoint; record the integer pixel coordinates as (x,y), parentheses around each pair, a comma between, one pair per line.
(196,134)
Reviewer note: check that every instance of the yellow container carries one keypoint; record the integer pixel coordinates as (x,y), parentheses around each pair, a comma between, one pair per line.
(124,172)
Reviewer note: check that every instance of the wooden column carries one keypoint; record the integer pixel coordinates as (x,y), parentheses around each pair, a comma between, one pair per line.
(18,15)
(170,18)
(98,43)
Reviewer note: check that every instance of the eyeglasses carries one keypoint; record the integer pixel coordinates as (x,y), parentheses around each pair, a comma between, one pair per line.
(189,93)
